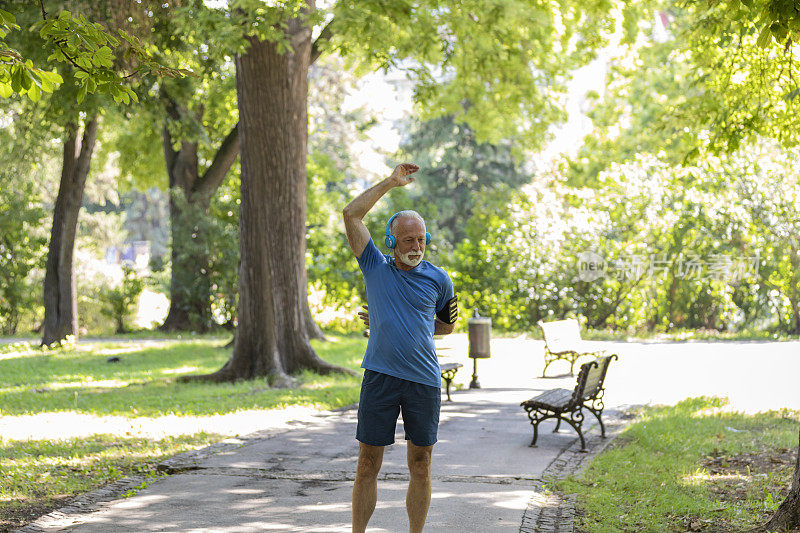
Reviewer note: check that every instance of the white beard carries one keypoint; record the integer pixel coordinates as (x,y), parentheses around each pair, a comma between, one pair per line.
(407,259)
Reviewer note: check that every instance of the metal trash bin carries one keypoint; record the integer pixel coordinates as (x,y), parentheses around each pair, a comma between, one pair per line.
(479,333)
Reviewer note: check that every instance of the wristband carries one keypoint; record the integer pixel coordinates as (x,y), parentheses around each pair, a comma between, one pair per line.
(449,313)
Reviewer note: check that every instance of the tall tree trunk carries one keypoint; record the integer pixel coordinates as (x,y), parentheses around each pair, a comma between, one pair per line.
(189,292)
(272,338)
(788,514)
(60,299)
(189,288)
(190,197)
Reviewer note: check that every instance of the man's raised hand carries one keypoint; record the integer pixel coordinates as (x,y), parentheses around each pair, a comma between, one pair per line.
(401,174)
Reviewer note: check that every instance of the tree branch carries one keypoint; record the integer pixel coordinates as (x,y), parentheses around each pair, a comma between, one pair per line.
(132,74)
(325,36)
(87,144)
(170,154)
(223,160)
(59,43)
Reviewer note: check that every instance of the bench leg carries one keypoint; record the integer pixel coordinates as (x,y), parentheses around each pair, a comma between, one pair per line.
(536,417)
(548,358)
(597,414)
(583,441)
(576,421)
(576,425)
(447,382)
(535,434)
(546,364)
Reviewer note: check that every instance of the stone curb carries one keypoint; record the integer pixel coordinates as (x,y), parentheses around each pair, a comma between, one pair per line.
(549,512)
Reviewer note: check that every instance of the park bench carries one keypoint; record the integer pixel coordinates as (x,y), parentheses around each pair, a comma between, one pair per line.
(565,405)
(562,340)
(448,371)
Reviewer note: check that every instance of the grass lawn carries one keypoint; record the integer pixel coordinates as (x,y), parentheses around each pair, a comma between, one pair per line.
(38,475)
(689,467)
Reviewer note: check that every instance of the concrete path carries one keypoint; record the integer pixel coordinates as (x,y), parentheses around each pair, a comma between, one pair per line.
(755,376)
(301,480)
(485,476)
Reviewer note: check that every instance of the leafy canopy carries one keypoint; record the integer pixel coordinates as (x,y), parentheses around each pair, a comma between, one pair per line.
(88,47)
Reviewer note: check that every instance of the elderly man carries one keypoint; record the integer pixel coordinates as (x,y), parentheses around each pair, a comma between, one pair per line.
(409,302)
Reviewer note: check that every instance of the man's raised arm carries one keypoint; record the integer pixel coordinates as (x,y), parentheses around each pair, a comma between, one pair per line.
(357,233)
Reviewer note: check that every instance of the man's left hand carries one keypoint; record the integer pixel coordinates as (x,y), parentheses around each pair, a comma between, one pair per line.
(364,315)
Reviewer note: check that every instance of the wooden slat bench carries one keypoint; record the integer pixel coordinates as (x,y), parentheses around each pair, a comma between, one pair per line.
(566,405)
(562,340)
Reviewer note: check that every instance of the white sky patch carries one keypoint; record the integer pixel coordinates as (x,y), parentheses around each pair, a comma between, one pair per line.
(387,96)
(390,97)
(568,137)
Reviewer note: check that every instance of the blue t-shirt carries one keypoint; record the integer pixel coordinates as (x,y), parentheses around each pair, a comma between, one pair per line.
(402,307)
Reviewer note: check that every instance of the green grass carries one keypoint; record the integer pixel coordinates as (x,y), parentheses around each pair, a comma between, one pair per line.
(144,382)
(38,475)
(689,466)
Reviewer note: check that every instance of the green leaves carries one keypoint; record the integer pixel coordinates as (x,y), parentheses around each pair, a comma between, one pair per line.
(22,248)
(88,48)
(498,66)
(765,37)
(778,19)
(21,77)
(7,23)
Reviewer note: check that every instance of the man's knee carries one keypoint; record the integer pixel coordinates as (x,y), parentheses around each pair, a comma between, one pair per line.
(419,461)
(420,468)
(369,461)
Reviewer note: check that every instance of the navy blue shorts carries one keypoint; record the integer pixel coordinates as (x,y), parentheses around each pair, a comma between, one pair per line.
(382,398)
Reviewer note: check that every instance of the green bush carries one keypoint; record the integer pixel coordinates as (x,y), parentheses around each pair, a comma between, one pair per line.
(120,302)
(22,251)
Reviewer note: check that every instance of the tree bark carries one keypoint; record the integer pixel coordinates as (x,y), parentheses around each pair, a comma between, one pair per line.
(189,297)
(272,337)
(788,514)
(190,289)
(60,299)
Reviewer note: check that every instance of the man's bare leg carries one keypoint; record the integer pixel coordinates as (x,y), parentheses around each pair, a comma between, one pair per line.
(365,487)
(418,498)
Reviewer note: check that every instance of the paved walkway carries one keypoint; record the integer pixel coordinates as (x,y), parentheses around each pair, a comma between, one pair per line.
(486,478)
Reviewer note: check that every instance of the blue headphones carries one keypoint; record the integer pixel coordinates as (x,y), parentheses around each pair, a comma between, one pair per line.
(391,242)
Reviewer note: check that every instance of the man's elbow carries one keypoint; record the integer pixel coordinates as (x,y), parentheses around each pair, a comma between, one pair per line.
(443,328)
(349,216)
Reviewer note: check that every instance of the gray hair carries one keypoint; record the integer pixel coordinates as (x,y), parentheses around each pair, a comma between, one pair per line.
(408,213)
